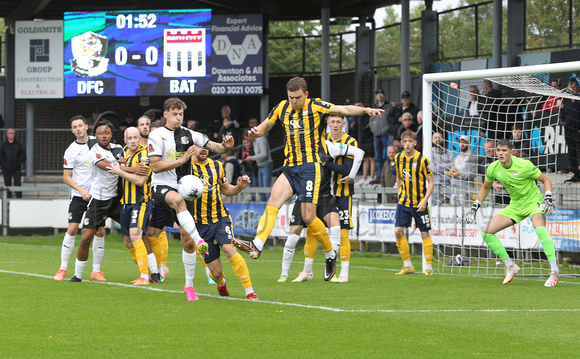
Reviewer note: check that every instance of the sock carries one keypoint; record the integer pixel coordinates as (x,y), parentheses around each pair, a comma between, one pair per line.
(141,255)
(68,244)
(310,246)
(241,269)
(189,266)
(186,221)
(98,253)
(208,272)
(265,226)
(334,234)
(403,247)
(163,248)
(249,290)
(428,250)
(152,263)
(547,243)
(344,265)
(155,248)
(319,232)
(344,246)
(554,266)
(308,264)
(508,262)
(221,280)
(288,254)
(201,258)
(133,254)
(80,268)
(495,245)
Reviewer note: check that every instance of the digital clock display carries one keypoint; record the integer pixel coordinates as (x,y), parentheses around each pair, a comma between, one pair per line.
(137,53)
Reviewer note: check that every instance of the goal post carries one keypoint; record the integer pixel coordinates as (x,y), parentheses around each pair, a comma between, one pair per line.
(519,109)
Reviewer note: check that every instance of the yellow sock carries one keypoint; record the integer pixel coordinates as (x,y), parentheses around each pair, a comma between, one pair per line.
(311,245)
(344,245)
(141,255)
(403,247)
(428,250)
(201,257)
(156,249)
(219,280)
(132,251)
(321,235)
(241,269)
(163,248)
(266,224)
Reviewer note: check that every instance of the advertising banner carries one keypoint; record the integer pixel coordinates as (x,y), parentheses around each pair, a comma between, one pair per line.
(38,59)
(238,55)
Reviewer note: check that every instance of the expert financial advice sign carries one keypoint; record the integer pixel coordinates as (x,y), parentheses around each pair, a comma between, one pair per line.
(39,57)
(238,55)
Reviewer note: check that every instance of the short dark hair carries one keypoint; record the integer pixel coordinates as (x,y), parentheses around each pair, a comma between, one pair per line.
(78,117)
(297,83)
(174,102)
(103,123)
(505,143)
(156,124)
(146,117)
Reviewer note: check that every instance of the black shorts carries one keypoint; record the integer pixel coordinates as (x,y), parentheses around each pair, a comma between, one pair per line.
(135,216)
(77,206)
(326,205)
(305,180)
(404,216)
(98,211)
(161,217)
(369,149)
(216,235)
(345,211)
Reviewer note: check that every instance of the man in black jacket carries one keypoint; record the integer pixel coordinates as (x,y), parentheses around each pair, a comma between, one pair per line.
(12,156)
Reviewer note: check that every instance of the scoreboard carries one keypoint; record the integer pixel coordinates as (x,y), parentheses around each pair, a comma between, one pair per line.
(137,53)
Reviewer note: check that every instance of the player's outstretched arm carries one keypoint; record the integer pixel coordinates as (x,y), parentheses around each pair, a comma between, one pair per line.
(137,179)
(221,148)
(261,129)
(350,110)
(231,190)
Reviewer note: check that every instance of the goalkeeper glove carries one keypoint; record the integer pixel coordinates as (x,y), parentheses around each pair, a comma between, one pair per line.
(546,206)
(470,216)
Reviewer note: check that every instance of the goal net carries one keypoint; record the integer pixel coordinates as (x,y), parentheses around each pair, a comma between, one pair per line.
(465,114)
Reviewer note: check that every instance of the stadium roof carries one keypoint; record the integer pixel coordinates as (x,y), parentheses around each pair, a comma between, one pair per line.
(15,10)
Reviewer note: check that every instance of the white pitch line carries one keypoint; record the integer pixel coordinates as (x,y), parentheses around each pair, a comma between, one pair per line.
(324,308)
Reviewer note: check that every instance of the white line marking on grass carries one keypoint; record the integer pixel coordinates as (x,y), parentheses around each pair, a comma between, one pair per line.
(306,306)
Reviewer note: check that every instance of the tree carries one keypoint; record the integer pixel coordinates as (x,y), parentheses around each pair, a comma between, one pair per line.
(295,47)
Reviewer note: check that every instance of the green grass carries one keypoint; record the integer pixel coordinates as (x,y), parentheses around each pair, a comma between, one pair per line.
(376,314)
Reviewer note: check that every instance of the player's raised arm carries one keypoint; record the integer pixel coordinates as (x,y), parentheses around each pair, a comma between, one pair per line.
(350,110)
(220,148)
(261,129)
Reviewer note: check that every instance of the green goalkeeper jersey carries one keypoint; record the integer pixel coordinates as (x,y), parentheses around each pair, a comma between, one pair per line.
(518,180)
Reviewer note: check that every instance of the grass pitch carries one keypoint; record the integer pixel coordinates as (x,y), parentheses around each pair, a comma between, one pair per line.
(376,314)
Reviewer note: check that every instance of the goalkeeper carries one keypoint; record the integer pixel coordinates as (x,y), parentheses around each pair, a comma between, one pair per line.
(518,177)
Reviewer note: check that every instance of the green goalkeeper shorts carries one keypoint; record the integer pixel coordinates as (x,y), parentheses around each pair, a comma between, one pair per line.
(517,212)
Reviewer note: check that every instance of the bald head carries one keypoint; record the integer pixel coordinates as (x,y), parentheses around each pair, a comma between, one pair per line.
(132,138)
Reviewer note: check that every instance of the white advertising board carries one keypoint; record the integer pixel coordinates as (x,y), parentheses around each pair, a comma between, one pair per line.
(39,59)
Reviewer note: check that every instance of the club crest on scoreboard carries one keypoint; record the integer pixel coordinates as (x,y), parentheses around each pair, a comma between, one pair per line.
(184,53)
(89,51)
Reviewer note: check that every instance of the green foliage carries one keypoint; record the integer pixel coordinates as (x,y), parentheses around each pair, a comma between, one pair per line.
(299,52)
(376,313)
